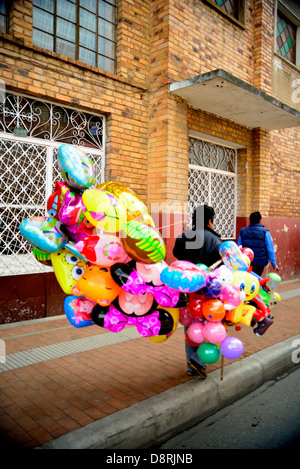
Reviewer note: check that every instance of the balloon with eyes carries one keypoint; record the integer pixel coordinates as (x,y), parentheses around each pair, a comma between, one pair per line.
(140,303)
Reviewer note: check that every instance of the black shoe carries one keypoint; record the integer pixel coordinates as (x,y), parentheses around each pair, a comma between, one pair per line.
(197,369)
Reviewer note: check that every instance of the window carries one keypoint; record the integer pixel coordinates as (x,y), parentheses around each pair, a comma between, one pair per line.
(234,9)
(31,132)
(288,31)
(84,30)
(4,10)
(212,181)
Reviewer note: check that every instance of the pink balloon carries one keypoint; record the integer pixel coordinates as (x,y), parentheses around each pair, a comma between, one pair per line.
(195,332)
(214,332)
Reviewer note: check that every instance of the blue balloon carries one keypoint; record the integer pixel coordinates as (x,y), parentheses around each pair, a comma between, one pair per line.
(75,166)
(44,233)
(78,310)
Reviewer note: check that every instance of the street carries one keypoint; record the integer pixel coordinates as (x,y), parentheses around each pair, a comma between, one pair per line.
(268,418)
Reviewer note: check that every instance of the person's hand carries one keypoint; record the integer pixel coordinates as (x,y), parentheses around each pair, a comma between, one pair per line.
(276,268)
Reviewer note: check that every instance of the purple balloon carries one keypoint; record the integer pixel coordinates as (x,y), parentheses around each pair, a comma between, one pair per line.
(232,348)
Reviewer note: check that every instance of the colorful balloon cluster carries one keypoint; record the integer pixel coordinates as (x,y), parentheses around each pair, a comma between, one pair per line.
(108,258)
(105,251)
(231,295)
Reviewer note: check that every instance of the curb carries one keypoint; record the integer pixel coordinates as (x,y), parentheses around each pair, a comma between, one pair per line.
(154,420)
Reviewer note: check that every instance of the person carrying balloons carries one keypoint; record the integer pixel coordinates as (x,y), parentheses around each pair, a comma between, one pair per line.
(258,238)
(199,245)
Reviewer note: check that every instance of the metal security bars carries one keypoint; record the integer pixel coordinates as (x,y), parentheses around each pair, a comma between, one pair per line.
(31,132)
(212,181)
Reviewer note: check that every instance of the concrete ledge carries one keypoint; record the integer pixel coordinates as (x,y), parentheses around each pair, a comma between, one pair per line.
(160,417)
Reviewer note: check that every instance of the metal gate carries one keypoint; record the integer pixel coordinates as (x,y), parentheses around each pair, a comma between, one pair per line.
(31,132)
(212,181)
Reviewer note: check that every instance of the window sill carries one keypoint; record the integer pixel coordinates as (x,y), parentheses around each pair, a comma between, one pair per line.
(287,62)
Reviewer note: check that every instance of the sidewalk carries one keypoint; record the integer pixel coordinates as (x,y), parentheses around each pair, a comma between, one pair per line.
(68,387)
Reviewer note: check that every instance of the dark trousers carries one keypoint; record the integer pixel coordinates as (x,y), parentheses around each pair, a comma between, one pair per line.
(258,269)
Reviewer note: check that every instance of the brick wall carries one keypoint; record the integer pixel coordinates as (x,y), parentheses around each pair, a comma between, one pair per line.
(122,97)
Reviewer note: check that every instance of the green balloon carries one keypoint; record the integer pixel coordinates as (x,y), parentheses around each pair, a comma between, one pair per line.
(208,353)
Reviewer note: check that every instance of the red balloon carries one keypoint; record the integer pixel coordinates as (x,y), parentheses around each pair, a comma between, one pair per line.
(190,342)
(195,307)
(248,252)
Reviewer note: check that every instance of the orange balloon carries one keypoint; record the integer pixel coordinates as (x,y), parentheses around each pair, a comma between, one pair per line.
(213,310)
(97,284)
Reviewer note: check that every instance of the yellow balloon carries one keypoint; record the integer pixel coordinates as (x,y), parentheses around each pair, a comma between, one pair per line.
(104,210)
(134,206)
(68,268)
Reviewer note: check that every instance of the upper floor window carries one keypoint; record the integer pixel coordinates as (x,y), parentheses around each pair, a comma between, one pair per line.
(4,16)
(84,30)
(234,9)
(288,31)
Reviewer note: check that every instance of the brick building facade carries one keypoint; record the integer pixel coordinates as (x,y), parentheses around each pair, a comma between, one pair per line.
(179,75)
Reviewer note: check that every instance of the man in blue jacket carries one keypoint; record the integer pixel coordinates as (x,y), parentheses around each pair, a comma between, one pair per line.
(258,238)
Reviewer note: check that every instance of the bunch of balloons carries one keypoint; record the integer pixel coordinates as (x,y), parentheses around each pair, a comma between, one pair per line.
(230,295)
(105,251)
(108,258)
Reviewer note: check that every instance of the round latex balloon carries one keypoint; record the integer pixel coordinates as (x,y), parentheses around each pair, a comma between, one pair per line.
(184,317)
(208,353)
(196,332)
(97,284)
(133,205)
(79,311)
(143,243)
(214,332)
(232,348)
(45,233)
(105,249)
(75,166)
(104,210)
(248,252)
(213,310)
(195,307)
(68,268)
(184,276)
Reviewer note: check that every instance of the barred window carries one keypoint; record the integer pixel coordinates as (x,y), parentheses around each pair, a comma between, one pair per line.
(212,181)
(84,30)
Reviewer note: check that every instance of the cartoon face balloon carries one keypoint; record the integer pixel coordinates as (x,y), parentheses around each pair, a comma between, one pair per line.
(75,166)
(97,284)
(44,233)
(79,310)
(104,210)
(68,268)
(105,249)
(247,282)
(137,305)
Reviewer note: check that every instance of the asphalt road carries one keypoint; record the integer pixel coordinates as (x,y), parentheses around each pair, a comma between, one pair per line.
(268,418)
